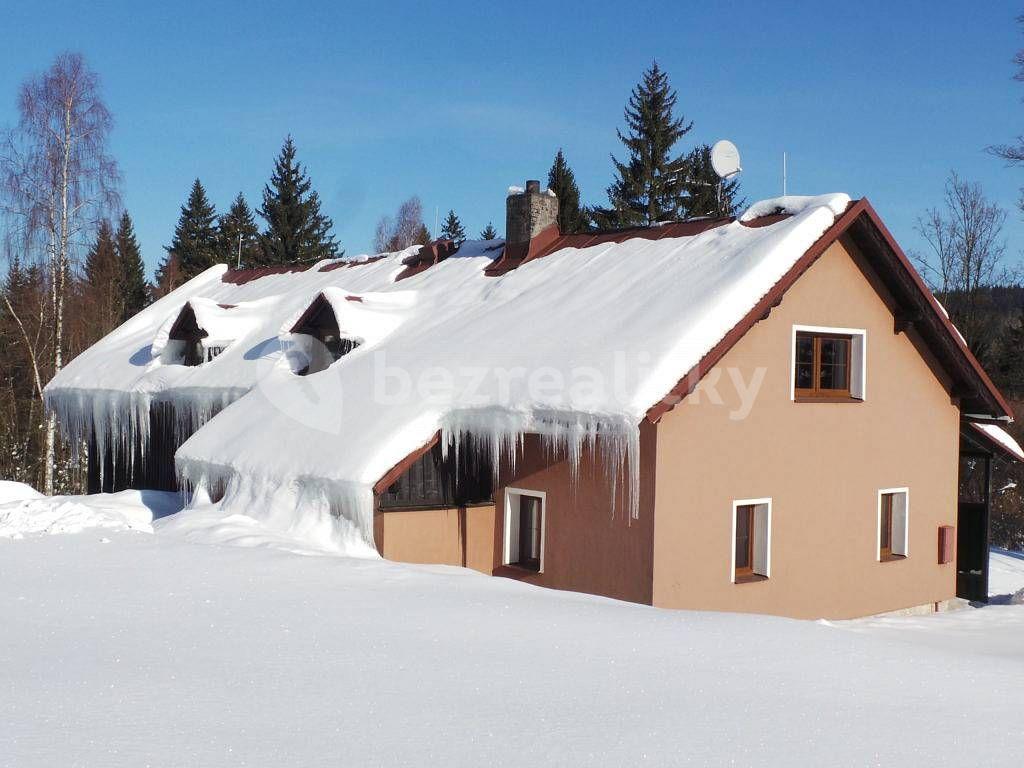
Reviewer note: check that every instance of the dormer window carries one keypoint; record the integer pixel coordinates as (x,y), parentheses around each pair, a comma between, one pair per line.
(188,337)
(322,342)
(188,342)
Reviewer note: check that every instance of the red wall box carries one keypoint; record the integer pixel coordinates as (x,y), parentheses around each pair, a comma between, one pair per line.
(946,539)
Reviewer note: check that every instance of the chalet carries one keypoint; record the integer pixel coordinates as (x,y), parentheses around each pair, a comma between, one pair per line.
(770,413)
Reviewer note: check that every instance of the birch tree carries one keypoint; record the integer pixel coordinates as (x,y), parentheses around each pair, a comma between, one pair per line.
(59,180)
(967,256)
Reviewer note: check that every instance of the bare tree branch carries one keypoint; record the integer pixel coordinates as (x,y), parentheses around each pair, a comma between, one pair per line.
(58,182)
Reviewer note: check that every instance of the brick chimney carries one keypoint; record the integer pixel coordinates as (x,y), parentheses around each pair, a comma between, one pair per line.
(528,213)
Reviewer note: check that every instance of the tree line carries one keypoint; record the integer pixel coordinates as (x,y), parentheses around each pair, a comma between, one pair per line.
(653,182)
(75,270)
(296,231)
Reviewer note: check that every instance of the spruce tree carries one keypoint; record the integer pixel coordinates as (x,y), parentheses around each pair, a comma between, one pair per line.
(453,229)
(297,232)
(489,232)
(102,273)
(237,233)
(702,187)
(562,181)
(195,236)
(134,289)
(422,236)
(168,277)
(650,184)
(1011,357)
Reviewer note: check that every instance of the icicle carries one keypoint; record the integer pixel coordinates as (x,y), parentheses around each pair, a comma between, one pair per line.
(615,438)
(329,514)
(118,422)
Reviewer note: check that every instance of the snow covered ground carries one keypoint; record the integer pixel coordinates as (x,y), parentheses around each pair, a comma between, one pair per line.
(1006,573)
(124,648)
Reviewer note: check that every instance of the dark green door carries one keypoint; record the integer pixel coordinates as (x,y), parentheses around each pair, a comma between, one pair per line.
(972,551)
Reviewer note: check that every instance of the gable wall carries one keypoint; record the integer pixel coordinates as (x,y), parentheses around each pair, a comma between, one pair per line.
(821,463)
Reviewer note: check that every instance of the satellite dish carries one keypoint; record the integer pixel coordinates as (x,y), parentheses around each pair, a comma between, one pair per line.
(725,159)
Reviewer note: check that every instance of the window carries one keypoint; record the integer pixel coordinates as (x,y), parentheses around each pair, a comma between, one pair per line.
(524,529)
(751,534)
(465,476)
(197,353)
(893,528)
(188,344)
(828,364)
(193,352)
(324,343)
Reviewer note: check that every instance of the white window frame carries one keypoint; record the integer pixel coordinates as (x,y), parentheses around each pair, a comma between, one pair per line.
(515,494)
(732,539)
(906,523)
(859,347)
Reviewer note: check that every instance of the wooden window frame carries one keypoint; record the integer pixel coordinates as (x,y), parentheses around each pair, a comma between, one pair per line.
(511,499)
(856,365)
(463,478)
(747,574)
(816,391)
(887,554)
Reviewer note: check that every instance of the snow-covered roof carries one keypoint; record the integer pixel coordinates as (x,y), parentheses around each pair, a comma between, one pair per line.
(1001,439)
(580,342)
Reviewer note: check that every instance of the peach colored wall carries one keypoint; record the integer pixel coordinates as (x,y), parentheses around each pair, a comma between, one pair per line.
(821,463)
(590,544)
(434,536)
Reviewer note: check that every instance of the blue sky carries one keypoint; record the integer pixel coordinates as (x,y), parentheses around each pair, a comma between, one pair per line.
(455,102)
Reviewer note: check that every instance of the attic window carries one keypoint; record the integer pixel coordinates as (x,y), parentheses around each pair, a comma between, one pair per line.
(189,339)
(325,344)
(828,364)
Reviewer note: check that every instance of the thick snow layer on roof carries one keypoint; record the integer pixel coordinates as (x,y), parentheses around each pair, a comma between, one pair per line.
(794,204)
(1000,436)
(579,343)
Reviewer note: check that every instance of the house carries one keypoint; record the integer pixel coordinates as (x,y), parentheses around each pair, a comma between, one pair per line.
(770,413)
